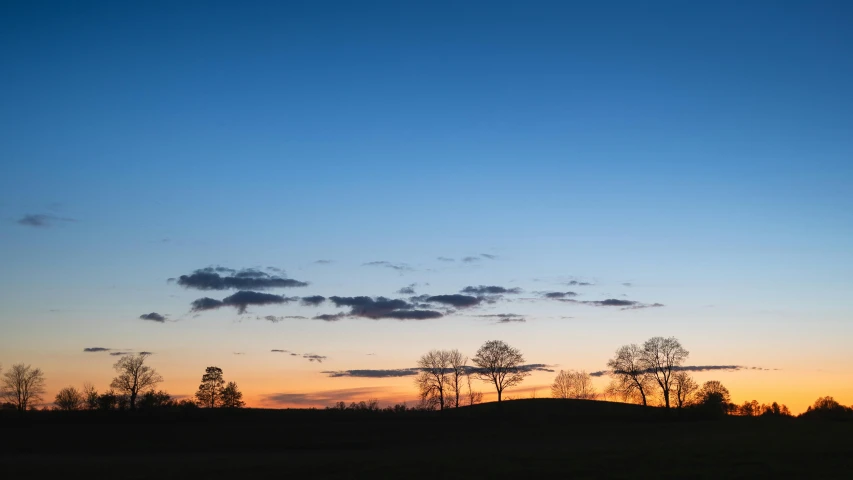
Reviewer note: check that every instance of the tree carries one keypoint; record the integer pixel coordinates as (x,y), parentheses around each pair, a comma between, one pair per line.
(69,398)
(232,397)
(660,357)
(433,376)
(152,400)
(714,397)
(683,387)
(499,364)
(90,396)
(572,384)
(22,386)
(473,397)
(134,377)
(209,393)
(458,368)
(630,377)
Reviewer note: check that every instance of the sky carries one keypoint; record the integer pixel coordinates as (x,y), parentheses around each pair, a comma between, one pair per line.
(690,162)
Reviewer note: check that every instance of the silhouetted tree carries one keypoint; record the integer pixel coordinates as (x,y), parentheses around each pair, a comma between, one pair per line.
(775,410)
(209,393)
(826,408)
(630,375)
(108,400)
(22,386)
(134,377)
(683,387)
(432,378)
(232,397)
(473,397)
(455,377)
(499,364)
(749,409)
(90,396)
(572,384)
(153,400)
(660,357)
(713,397)
(69,398)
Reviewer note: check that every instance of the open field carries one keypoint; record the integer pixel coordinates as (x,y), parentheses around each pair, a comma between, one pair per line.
(525,438)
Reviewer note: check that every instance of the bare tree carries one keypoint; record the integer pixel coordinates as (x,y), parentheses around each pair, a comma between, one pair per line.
(499,364)
(473,396)
(232,397)
(683,387)
(90,396)
(630,377)
(572,384)
(209,393)
(134,377)
(455,377)
(22,386)
(432,379)
(660,358)
(69,398)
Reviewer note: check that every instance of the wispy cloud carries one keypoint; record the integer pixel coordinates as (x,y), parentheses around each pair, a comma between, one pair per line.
(490,290)
(323,398)
(697,368)
(42,220)
(400,267)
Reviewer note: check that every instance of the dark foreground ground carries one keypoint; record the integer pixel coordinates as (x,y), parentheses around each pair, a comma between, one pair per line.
(526,438)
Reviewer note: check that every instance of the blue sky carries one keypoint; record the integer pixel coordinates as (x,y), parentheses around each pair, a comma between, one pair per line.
(700,151)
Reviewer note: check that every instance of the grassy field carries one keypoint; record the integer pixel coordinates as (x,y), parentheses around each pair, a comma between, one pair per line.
(521,439)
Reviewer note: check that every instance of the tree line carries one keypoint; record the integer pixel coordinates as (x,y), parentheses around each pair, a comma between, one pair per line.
(23,387)
(651,374)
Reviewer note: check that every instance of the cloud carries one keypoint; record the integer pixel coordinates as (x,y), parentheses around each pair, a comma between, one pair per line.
(505,317)
(407,372)
(247,279)
(96,349)
(276,350)
(696,368)
(627,284)
(445,259)
(276,319)
(322,262)
(609,302)
(276,270)
(638,306)
(558,294)
(311,357)
(490,257)
(241,300)
(512,320)
(400,267)
(414,314)
(456,300)
(537,367)
(313,300)
(399,372)
(381,307)
(41,220)
(489,290)
(409,290)
(575,283)
(330,317)
(153,316)
(323,398)
(239,353)
(471,259)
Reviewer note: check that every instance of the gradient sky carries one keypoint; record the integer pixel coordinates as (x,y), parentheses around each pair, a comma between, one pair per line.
(699,151)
